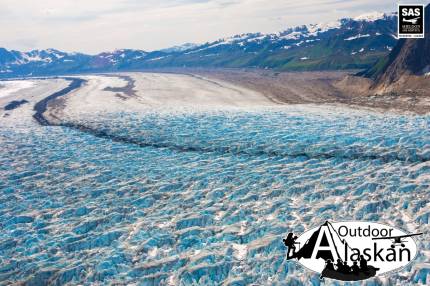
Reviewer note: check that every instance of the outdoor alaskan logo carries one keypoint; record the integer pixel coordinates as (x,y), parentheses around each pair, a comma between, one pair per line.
(411,21)
(353,250)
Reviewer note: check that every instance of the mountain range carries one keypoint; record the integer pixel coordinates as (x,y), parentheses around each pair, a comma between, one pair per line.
(350,43)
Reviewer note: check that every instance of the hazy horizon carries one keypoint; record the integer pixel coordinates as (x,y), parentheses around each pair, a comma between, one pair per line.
(98,26)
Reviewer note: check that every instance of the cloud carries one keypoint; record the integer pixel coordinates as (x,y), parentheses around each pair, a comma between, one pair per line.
(100,25)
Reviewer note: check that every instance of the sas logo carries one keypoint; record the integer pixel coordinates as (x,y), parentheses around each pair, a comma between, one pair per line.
(411,21)
(353,250)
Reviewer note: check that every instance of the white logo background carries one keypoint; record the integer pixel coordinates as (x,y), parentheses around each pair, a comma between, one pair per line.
(360,243)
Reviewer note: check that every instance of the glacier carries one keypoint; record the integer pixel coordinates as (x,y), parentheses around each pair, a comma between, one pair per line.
(204,198)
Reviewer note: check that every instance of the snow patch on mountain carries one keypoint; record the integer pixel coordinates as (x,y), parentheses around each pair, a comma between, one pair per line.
(180,48)
(292,36)
(370,17)
(315,29)
(33,57)
(157,59)
(216,44)
(357,37)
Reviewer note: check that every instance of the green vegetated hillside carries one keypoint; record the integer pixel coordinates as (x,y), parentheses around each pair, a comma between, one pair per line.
(345,44)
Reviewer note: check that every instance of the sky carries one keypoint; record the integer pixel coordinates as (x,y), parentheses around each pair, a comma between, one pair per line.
(94,26)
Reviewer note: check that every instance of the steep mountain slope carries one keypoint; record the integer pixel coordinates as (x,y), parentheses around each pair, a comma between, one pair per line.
(410,56)
(406,64)
(399,81)
(344,44)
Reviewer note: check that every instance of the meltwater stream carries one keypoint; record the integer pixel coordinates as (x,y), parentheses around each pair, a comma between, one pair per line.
(203,198)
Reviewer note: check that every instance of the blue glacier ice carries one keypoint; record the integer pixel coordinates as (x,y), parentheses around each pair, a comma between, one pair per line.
(203,198)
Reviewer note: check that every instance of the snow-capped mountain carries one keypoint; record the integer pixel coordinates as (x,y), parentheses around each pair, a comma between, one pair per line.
(345,44)
(180,48)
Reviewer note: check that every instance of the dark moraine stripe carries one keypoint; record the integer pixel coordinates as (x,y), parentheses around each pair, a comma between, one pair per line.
(346,154)
(339,153)
(128,90)
(42,105)
(15,104)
